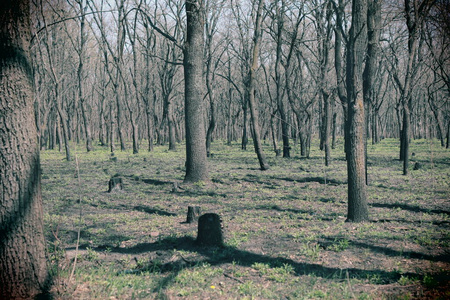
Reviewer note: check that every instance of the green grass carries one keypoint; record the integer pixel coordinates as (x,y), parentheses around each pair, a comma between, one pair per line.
(285,230)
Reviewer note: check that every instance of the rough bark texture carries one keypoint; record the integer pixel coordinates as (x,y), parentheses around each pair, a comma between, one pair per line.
(23,270)
(196,163)
(357,199)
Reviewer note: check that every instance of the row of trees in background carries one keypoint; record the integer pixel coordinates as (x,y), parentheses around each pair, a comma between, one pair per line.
(109,72)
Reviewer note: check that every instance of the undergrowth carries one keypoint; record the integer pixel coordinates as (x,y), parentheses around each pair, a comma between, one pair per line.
(285,230)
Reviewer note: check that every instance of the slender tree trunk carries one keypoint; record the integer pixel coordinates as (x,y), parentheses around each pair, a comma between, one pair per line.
(64,123)
(80,76)
(333,131)
(274,135)
(369,75)
(196,163)
(211,127)
(327,128)
(251,89)
(112,128)
(118,115)
(405,137)
(357,196)
(23,269)
(245,123)
(278,81)
(447,145)
(149,130)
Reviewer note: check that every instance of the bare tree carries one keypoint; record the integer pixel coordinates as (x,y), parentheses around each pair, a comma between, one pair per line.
(23,269)
(250,88)
(196,163)
(356,52)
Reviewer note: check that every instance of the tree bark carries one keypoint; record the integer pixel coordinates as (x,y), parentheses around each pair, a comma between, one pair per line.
(196,163)
(251,89)
(356,51)
(23,270)
(80,77)
(278,82)
(373,36)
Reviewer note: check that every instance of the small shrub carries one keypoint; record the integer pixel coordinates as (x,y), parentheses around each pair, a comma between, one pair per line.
(339,245)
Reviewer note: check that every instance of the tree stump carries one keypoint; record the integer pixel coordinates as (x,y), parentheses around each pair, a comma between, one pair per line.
(115,184)
(210,230)
(193,214)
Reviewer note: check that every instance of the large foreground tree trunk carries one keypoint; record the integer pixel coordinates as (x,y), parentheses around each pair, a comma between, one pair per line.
(357,199)
(23,270)
(196,163)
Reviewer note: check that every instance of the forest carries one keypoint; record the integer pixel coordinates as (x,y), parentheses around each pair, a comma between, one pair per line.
(317,131)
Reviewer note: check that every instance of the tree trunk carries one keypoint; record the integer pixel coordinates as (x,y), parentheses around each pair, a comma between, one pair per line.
(357,198)
(251,90)
(80,76)
(196,163)
(112,129)
(211,127)
(23,269)
(149,129)
(278,82)
(327,127)
(447,145)
(405,137)
(64,123)
(245,124)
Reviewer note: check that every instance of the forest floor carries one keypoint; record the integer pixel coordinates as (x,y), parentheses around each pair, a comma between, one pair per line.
(284,228)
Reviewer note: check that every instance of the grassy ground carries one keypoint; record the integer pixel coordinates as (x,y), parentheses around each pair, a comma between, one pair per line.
(285,230)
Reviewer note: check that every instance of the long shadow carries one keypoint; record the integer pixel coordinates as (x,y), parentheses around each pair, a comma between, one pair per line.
(418,222)
(311,213)
(409,207)
(407,254)
(320,180)
(392,252)
(216,256)
(152,211)
(155,182)
(277,208)
(402,189)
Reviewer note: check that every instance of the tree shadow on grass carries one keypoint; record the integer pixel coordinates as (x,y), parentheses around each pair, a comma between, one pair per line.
(156,182)
(388,251)
(217,256)
(406,254)
(418,222)
(409,207)
(279,209)
(313,214)
(273,180)
(152,211)
(320,180)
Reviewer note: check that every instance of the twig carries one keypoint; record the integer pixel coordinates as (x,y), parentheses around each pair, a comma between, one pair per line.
(349,285)
(79,220)
(231,277)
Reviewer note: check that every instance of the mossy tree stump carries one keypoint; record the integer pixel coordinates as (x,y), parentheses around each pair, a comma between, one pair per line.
(210,230)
